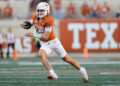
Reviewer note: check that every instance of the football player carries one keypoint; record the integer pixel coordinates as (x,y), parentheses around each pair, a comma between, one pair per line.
(44,25)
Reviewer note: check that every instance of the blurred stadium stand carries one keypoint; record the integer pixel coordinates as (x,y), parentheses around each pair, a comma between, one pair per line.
(21,10)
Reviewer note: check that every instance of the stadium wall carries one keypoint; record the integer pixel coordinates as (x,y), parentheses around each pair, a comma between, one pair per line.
(94,35)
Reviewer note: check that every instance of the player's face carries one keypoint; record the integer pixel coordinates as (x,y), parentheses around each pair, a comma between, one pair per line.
(41,12)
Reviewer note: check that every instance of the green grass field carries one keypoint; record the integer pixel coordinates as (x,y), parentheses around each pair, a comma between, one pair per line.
(30,72)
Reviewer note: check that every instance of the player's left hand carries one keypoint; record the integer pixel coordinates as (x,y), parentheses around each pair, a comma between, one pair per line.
(29,34)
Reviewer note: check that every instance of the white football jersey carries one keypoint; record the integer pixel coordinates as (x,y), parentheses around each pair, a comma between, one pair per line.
(10,38)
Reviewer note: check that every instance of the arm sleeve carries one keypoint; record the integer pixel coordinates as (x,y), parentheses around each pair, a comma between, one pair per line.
(33,17)
(35,35)
(49,29)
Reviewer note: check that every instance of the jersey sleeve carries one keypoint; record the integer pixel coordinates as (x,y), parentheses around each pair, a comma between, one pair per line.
(33,17)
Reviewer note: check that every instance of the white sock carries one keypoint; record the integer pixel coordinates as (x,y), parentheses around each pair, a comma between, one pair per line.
(81,69)
(52,71)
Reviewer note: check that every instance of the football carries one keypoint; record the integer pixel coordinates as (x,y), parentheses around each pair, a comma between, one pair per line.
(27,25)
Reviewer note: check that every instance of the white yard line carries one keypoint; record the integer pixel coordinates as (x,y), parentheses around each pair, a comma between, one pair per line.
(4,62)
(57,81)
(115,72)
(39,77)
(63,63)
(109,73)
(30,74)
(32,68)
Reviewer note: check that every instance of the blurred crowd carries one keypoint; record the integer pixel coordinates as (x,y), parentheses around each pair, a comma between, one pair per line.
(7,40)
(6,12)
(86,11)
